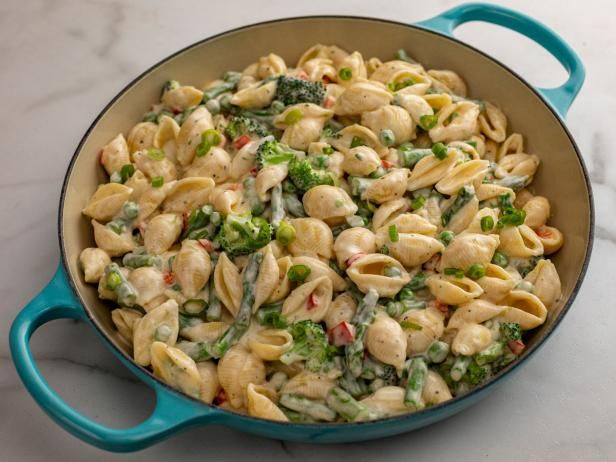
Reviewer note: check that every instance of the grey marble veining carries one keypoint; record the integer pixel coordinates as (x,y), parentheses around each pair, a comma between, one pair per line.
(62,61)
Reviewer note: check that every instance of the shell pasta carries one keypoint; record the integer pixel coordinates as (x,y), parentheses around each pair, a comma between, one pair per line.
(337,240)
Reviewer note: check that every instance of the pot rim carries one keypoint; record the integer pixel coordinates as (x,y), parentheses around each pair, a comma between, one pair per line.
(483,388)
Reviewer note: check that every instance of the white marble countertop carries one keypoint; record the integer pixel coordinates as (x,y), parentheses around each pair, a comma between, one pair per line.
(62,61)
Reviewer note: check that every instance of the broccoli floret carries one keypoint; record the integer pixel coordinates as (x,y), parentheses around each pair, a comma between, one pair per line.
(305,176)
(293,91)
(510,331)
(310,345)
(272,152)
(243,234)
(475,374)
(241,125)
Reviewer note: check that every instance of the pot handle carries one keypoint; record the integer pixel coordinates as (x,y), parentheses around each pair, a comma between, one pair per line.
(560,97)
(171,413)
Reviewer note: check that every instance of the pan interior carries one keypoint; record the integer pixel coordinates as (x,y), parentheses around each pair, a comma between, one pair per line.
(560,177)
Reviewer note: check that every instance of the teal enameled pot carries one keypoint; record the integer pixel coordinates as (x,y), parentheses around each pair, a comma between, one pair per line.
(536,112)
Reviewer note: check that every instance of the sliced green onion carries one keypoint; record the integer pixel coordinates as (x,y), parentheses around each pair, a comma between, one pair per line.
(126,172)
(285,234)
(393,233)
(298,273)
(456,272)
(446,237)
(476,271)
(345,73)
(418,202)
(487,223)
(113,281)
(156,154)
(428,121)
(440,151)
(357,141)
(500,259)
(410,325)
(293,116)
(209,138)
(157,181)
(418,282)
(328,150)
(387,137)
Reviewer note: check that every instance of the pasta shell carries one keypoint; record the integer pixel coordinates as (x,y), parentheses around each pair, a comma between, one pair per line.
(228,283)
(393,118)
(341,309)
(161,233)
(520,241)
(139,184)
(410,249)
(362,96)
(154,167)
(176,369)
(432,327)
(429,170)
(236,370)
(329,204)
(215,165)
(311,385)
(415,105)
(270,66)
(182,98)
(389,187)
(260,405)
(189,136)
(256,96)
(268,278)
(244,160)
(389,211)
(435,389)
(450,127)
(546,282)
(205,332)
(284,285)
(124,320)
(493,123)
(361,161)
(475,224)
(462,219)
(267,178)
(454,83)
(471,339)
(151,199)
(386,72)
(270,344)
(115,245)
(452,290)
(551,239)
(188,194)
(386,341)
(141,136)
(107,201)
(474,312)
(519,164)
(368,273)
(496,283)
(93,262)
(387,401)
(149,284)
(192,268)
(524,308)
(355,63)
(490,191)
(160,324)
(209,385)
(462,174)
(166,135)
(514,144)
(309,301)
(537,212)
(467,249)
(114,154)
(344,139)
(313,238)
(412,223)
(319,269)
(353,241)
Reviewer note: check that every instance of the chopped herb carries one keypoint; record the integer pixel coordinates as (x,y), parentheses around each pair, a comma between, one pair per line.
(440,151)
(393,233)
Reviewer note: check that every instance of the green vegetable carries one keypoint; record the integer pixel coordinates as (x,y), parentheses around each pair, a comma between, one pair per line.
(476,271)
(214,306)
(475,374)
(465,194)
(244,313)
(271,316)
(305,176)
(396,308)
(460,367)
(418,202)
(510,331)
(202,223)
(241,234)
(416,370)
(357,141)
(418,282)
(529,266)
(346,406)
(272,152)
(113,281)
(327,150)
(285,234)
(230,81)
(392,231)
(155,154)
(504,201)
(487,223)
(307,406)
(511,216)
(387,137)
(364,316)
(446,237)
(310,345)
(170,85)
(133,260)
(157,181)
(209,139)
(392,271)
(194,306)
(250,196)
(438,351)
(116,281)
(345,73)
(150,117)
(293,116)
(116,226)
(428,121)
(405,294)
(130,210)
(514,182)
(500,259)
(293,206)
(277,207)
(242,125)
(373,369)
(440,151)
(458,273)
(394,87)
(356,387)
(489,354)
(213,106)
(359,185)
(126,172)
(409,156)
(298,273)
(293,91)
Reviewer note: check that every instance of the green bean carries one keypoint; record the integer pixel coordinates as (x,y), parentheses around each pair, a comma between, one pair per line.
(351,384)
(346,406)
(408,156)
(230,81)
(307,406)
(277,206)
(133,260)
(489,354)
(364,316)
(242,320)
(464,196)
(416,371)
(214,307)
(514,182)
(459,367)
(250,194)
(438,351)
(271,316)
(293,205)
(126,293)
